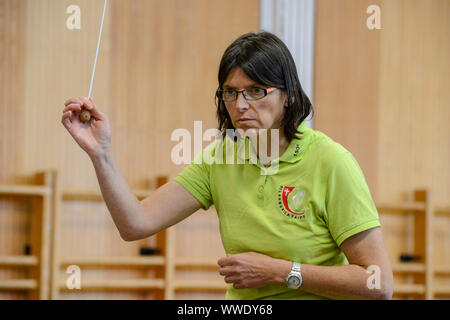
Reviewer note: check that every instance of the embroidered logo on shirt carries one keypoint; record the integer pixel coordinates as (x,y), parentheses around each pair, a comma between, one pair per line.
(290,199)
(297,150)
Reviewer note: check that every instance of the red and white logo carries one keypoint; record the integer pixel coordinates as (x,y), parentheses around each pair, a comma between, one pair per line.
(290,200)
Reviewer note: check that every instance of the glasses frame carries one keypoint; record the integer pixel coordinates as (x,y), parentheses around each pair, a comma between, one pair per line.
(219,94)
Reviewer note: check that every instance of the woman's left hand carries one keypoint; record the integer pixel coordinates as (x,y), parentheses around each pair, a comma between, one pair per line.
(247,270)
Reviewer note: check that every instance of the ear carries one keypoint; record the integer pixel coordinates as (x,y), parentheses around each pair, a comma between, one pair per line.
(286,104)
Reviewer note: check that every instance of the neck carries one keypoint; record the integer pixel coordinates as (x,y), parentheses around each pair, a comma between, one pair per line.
(272,147)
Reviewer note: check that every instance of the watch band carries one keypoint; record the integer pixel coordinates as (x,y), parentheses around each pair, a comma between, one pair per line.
(296,267)
(294,274)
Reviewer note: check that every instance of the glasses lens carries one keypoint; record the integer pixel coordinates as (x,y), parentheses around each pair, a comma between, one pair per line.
(255,93)
(227,95)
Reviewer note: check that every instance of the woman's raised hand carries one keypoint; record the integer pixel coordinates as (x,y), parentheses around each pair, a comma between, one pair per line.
(94,136)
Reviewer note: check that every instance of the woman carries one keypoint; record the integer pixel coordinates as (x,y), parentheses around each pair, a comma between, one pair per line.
(308,230)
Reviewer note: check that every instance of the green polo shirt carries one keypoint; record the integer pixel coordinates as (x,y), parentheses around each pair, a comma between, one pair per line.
(315,199)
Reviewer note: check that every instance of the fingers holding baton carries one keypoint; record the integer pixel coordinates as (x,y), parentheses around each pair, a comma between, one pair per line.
(85,116)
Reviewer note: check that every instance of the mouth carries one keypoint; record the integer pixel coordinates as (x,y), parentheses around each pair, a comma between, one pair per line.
(245,120)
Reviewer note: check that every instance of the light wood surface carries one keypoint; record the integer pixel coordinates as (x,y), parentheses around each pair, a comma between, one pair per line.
(19,284)
(383,95)
(156,72)
(196,285)
(347,63)
(118,284)
(113,261)
(422,273)
(40,247)
(19,261)
(24,190)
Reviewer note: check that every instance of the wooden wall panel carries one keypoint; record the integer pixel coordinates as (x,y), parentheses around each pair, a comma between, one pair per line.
(156,71)
(14,216)
(12,81)
(346,80)
(383,94)
(414,98)
(414,109)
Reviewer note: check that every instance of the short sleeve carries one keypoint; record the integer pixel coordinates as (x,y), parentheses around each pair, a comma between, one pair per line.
(349,205)
(195,178)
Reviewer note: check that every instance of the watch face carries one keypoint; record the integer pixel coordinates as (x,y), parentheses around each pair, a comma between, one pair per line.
(293,281)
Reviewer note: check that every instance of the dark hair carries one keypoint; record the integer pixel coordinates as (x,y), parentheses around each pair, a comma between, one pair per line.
(264,58)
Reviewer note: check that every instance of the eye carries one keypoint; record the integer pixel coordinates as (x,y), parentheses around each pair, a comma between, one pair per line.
(228,91)
(257,91)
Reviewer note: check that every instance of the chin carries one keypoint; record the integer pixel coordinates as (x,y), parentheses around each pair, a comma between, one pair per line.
(247,131)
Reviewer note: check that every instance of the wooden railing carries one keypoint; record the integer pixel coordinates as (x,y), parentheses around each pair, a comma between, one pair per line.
(47,259)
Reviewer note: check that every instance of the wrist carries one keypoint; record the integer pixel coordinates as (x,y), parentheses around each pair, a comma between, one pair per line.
(101,156)
(281,270)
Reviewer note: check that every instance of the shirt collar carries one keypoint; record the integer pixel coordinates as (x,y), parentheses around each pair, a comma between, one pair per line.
(298,146)
(293,153)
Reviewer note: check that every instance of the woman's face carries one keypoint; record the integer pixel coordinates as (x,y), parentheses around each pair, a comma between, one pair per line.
(265,113)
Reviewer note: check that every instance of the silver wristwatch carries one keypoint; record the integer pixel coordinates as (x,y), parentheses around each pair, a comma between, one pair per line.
(294,278)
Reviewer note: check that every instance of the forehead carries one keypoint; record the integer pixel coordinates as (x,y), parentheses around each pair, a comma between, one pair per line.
(238,79)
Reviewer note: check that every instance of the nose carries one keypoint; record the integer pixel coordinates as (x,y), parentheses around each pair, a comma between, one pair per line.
(241,102)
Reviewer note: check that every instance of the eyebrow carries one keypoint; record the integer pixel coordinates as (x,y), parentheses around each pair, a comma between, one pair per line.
(253,84)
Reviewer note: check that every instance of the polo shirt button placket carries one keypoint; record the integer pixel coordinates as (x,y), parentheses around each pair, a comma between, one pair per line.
(261,192)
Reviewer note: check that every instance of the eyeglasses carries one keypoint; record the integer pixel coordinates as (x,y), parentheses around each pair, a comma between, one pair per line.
(255,93)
